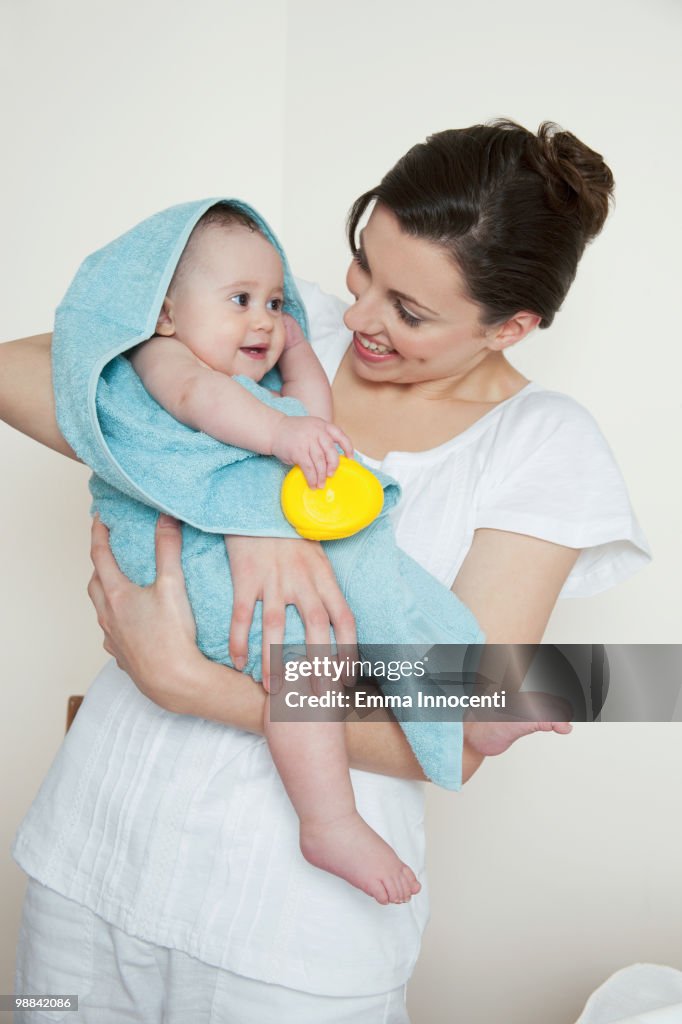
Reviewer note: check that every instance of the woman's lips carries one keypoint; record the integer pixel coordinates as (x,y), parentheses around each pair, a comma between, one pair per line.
(368,356)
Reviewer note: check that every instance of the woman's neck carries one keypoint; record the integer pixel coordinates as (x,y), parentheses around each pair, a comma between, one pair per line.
(491,381)
(381,417)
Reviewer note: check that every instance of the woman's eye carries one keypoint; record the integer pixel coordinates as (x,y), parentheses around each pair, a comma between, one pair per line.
(405,316)
(242,299)
(275,305)
(361,261)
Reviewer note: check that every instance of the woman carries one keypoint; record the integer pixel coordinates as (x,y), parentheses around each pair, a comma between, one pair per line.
(180,851)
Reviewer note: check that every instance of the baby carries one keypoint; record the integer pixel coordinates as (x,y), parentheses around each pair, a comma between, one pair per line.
(223,317)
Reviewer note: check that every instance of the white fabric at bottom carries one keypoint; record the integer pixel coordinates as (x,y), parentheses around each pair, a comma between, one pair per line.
(66,949)
(639,994)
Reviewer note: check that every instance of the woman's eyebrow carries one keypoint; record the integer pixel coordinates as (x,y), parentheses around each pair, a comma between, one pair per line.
(393,292)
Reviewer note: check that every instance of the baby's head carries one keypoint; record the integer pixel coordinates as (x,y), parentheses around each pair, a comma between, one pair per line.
(226,296)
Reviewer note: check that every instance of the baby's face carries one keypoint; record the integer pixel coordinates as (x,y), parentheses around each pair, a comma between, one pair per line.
(226,305)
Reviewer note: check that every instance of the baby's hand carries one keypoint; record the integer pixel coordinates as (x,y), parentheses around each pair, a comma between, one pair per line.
(310,443)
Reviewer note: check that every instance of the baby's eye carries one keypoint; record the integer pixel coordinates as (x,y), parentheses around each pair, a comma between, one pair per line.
(242,299)
(275,305)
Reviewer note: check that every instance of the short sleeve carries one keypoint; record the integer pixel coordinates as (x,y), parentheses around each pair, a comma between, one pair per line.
(551,474)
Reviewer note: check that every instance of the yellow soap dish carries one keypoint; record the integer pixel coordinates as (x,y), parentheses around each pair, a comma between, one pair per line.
(349,501)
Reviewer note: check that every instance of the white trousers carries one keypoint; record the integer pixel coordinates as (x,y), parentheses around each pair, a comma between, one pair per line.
(65,949)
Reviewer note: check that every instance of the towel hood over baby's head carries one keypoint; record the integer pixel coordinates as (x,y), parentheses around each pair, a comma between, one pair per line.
(115,426)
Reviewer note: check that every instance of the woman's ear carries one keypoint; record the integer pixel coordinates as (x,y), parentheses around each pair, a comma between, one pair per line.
(165,325)
(514,330)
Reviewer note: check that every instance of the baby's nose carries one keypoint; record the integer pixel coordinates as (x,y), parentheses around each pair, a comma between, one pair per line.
(263,320)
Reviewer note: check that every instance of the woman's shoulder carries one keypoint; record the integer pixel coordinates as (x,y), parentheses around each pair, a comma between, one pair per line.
(536,404)
(545,448)
(538,418)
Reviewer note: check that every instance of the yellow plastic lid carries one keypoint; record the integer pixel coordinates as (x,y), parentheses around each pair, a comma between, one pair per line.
(349,501)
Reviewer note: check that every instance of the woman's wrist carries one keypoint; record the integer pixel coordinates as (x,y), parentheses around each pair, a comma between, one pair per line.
(206,689)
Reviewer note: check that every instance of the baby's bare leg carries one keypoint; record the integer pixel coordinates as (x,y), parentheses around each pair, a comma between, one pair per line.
(312,762)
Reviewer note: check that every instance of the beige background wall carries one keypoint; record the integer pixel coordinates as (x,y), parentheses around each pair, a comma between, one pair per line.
(558,863)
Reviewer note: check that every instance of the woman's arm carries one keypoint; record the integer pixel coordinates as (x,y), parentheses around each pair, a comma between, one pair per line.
(26,398)
(511,583)
(151,633)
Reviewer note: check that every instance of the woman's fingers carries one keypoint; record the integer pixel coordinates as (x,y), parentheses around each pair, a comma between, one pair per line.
(315,619)
(98,598)
(340,616)
(168,541)
(109,574)
(343,624)
(274,618)
(244,597)
(282,572)
(242,616)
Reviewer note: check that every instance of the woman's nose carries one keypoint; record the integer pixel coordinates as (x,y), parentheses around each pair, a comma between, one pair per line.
(363,315)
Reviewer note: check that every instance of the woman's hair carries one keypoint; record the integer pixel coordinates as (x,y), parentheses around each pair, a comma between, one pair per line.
(514,210)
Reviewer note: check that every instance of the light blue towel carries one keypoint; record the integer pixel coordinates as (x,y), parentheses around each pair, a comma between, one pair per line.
(145,461)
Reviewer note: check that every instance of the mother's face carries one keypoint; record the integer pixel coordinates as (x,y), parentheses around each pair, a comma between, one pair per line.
(411,319)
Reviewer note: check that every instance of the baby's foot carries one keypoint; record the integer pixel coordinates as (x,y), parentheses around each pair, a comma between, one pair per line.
(491,738)
(349,848)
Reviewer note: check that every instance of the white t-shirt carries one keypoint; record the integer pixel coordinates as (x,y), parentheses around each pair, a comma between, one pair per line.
(179,830)
(536,464)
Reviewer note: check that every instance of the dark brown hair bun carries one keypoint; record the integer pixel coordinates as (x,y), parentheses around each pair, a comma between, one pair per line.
(576,176)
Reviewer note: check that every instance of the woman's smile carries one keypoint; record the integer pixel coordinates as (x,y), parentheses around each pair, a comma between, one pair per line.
(372,351)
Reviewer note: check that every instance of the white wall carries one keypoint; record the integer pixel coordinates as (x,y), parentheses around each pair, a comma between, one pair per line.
(542,872)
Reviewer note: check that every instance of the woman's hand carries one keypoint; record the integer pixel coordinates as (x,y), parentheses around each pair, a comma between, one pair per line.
(278,572)
(151,634)
(150,631)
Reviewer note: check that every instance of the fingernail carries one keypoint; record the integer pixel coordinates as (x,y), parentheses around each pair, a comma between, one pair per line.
(239,663)
(275,683)
(165,520)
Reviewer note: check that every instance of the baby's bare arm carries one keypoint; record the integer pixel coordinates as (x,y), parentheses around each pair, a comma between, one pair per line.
(204,399)
(302,374)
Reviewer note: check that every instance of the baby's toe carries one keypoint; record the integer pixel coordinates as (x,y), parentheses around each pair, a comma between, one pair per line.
(410,881)
(394,888)
(380,892)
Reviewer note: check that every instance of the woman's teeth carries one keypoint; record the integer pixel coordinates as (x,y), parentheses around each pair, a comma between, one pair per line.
(373,347)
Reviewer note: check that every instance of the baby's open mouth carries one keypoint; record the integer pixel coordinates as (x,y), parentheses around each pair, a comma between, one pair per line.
(255,351)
